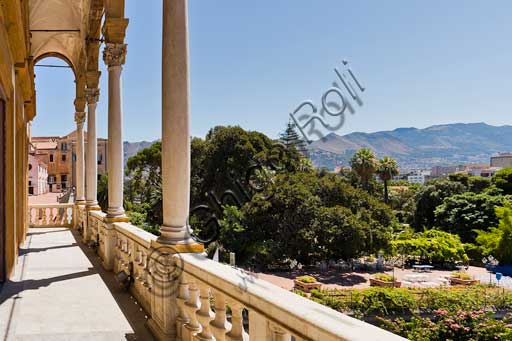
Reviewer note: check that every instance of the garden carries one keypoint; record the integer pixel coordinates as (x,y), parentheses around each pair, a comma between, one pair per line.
(450,313)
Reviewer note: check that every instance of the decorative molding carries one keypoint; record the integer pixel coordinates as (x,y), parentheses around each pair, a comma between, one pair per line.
(92,95)
(80,117)
(114,54)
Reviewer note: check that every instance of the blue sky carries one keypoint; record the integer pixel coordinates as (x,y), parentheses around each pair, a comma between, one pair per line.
(253,62)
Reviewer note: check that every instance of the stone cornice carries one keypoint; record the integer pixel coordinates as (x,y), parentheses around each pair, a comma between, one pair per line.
(114,54)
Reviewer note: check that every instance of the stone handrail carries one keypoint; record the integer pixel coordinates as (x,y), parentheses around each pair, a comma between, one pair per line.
(179,291)
(51,215)
(273,313)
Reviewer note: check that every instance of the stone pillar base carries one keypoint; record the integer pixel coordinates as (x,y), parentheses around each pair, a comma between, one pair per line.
(157,332)
(94,207)
(178,248)
(116,219)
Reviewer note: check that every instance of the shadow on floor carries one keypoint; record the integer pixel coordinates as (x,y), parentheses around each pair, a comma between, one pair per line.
(129,306)
(43,249)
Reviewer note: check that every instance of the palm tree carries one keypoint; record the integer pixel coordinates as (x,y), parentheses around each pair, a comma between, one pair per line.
(386,170)
(364,163)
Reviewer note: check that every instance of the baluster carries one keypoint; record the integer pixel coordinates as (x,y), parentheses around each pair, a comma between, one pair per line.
(182,319)
(237,332)
(219,325)
(205,314)
(44,222)
(191,306)
(65,217)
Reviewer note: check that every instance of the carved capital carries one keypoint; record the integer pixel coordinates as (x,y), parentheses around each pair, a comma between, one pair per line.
(92,95)
(114,54)
(80,117)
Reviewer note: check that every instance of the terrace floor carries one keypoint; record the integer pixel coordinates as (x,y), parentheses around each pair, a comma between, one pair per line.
(61,292)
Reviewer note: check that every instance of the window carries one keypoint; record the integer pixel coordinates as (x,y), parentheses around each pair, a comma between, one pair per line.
(29,166)
(64,146)
(63,178)
(63,157)
(100,158)
(30,183)
(51,157)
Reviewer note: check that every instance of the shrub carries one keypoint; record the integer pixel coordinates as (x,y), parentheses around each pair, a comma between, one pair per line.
(384,277)
(306,279)
(461,275)
(461,325)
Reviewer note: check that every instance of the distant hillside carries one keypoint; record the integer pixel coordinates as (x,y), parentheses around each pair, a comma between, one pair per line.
(131,148)
(412,147)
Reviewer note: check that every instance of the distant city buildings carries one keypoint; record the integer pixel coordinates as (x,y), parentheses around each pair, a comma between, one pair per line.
(58,154)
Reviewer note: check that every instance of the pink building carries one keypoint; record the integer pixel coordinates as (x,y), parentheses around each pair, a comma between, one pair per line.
(37,176)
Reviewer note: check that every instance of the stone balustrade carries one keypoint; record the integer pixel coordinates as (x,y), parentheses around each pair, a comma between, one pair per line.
(195,298)
(51,215)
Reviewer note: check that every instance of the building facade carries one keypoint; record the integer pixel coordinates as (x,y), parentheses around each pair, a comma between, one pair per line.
(502,160)
(37,176)
(59,153)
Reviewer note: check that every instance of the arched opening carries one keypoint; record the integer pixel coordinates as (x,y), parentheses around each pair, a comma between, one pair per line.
(52,138)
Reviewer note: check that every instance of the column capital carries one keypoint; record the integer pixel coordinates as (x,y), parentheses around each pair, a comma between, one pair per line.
(92,95)
(80,117)
(114,54)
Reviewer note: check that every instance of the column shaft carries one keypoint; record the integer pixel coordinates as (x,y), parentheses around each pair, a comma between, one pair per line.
(115,143)
(175,124)
(92,150)
(80,118)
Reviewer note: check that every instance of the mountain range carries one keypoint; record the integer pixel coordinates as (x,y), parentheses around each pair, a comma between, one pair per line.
(457,143)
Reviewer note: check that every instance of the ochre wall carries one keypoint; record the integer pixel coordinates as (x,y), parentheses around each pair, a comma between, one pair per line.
(17,90)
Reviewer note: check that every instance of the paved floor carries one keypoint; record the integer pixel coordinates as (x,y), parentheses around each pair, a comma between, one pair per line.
(60,292)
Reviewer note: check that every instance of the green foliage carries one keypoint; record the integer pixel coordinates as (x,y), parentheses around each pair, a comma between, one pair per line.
(478,184)
(102,192)
(503,180)
(462,325)
(306,279)
(432,245)
(307,217)
(463,213)
(384,277)
(429,197)
(461,275)
(504,251)
(364,163)
(291,139)
(385,301)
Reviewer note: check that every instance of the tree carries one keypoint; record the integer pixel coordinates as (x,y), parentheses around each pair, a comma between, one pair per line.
(478,184)
(503,180)
(463,213)
(429,197)
(433,246)
(102,192)
(364,163)
(291,139)
(386,170)
(497,240)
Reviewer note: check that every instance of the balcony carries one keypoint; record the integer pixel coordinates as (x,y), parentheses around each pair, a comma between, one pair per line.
(78,277)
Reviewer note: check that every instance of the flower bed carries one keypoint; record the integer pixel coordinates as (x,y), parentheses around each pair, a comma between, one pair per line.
(385,281)
(306,283)
(462,278)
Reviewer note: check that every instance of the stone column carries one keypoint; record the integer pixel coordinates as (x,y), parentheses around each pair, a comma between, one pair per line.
(114,56)
(175,127)
(80,119)
(92,96)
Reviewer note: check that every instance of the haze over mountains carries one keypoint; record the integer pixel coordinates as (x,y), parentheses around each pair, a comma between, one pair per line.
(436,145)
(445,144)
